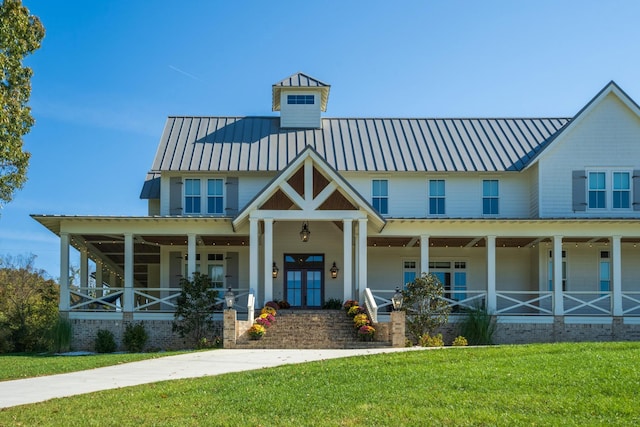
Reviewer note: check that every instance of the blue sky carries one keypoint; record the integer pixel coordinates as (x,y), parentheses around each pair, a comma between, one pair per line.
(110,72)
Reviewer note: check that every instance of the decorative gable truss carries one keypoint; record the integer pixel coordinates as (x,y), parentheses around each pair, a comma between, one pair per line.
(309,189)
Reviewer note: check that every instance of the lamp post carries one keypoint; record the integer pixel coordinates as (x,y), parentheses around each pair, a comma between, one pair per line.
(229,298)
(397,299)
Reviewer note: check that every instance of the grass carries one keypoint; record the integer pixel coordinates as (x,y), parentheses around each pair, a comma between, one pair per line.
(18,366)
(549,384)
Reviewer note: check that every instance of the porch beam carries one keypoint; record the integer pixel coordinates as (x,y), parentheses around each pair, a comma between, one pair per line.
(253,257)
(473,242)
(268,259)
(347,268)
(311,215)
(308,180)
(616,254)
(558,297)
(535,242)
(64,272)
(324,195)
(293,195)
(492,299)
(412,242)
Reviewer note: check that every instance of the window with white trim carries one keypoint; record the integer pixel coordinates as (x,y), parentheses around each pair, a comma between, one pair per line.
(605,271)
(436,196)
(621,190)
(490,194)
(409,271)
(215,269)
(194,188)
(301,99)
(597,190)
(564,270)
(380,195)
(453,277)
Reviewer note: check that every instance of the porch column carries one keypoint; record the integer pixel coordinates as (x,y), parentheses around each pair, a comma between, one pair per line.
(424,254)
(362,254)
(558,298)
(253,257)
(64,272)
(191,255)
(84,268)
(616,253)
(492,299)
(268,259)
(347,270)
(128,273)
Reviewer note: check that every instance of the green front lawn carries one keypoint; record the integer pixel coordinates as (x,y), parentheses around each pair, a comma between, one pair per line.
(18,366)
(550,384)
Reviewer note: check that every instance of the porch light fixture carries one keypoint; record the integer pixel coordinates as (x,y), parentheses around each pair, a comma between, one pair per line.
(334,271)
(229,298)
(396,299)
(274,271)
(305,233)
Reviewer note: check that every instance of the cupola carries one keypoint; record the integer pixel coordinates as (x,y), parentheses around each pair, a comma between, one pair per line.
(300,100)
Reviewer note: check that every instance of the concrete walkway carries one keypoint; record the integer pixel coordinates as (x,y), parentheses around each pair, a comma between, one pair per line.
(200,364)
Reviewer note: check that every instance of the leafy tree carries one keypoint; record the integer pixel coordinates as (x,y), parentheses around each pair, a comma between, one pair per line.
(28,305)
(425,306)
(20,35)
(194,308)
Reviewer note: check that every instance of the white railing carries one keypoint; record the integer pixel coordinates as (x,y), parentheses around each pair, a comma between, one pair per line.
(241,299)
(587,303)
(465,299)
(370,303)
(251,307)
(523,303)
(95,299)
(631,303)
(156,299)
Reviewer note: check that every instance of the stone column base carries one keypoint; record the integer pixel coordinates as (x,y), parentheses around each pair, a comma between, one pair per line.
(398,334)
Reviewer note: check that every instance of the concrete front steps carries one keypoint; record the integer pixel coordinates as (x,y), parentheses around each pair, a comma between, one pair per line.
(310,329)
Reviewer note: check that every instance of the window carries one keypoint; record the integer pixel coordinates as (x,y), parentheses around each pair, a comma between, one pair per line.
(597,190)
(453,276)
(191,196)
(605,271)
(214,196)
(564,270)
(621,190)
(436,197)
(490,197)
(380,195)
(301,99)
(214,190)
(409,271)
(216,270)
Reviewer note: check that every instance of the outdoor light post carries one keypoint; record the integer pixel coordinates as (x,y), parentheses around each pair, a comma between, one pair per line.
(229,298)
(274,271)
(396,299)
(334,271)
(398,321)
(305,233)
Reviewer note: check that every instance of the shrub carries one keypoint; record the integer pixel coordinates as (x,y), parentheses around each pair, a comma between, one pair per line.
(135,338)
(205,343)
(194,305)
(431,341)
(478,326)
(105,343)
(425,305)
(332,304)
(460,341)
(61,334)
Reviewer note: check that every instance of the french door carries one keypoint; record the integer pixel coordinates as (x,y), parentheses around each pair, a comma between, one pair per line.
(304,280)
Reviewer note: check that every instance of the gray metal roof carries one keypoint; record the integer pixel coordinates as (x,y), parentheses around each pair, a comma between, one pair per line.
(300,81)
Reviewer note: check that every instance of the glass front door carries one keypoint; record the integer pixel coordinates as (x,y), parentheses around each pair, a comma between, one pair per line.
(304,285)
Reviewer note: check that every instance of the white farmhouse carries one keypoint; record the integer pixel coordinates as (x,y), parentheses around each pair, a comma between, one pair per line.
(537,219)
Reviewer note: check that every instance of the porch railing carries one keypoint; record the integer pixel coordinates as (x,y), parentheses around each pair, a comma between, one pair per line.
(524,303)
(95,299)
(587,303)
(631,303)
(156,299)
(459,300)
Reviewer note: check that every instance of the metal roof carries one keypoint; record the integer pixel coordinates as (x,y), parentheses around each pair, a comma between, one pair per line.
(244,144)
(300,81)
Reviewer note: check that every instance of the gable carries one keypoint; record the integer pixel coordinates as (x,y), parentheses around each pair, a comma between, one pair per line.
(310,189)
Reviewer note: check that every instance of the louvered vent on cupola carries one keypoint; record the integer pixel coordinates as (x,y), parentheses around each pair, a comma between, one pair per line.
(300,100)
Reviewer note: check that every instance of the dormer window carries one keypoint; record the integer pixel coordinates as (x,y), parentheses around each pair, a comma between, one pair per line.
(300,99)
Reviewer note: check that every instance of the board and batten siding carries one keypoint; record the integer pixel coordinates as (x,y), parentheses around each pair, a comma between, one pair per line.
(605,139)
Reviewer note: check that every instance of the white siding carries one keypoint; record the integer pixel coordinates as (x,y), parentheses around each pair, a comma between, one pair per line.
(250,186)
(299,116)
(534,192)
(607,137)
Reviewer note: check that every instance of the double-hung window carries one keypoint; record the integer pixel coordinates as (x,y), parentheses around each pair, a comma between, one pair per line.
(192,196)
(621,190)
(597,190)
(490,193)
(436,196)
(605,271)
(194,188)
(380,195)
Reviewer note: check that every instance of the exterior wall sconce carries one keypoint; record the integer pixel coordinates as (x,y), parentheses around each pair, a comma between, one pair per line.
(229,298)
(396,299)
(274,271)
(305,233)
(334,271)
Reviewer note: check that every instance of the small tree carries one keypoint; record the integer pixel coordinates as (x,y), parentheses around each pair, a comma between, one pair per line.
(425,306)
(194,307)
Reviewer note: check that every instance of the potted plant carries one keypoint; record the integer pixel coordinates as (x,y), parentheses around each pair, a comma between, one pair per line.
(256,331)
(365,332)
